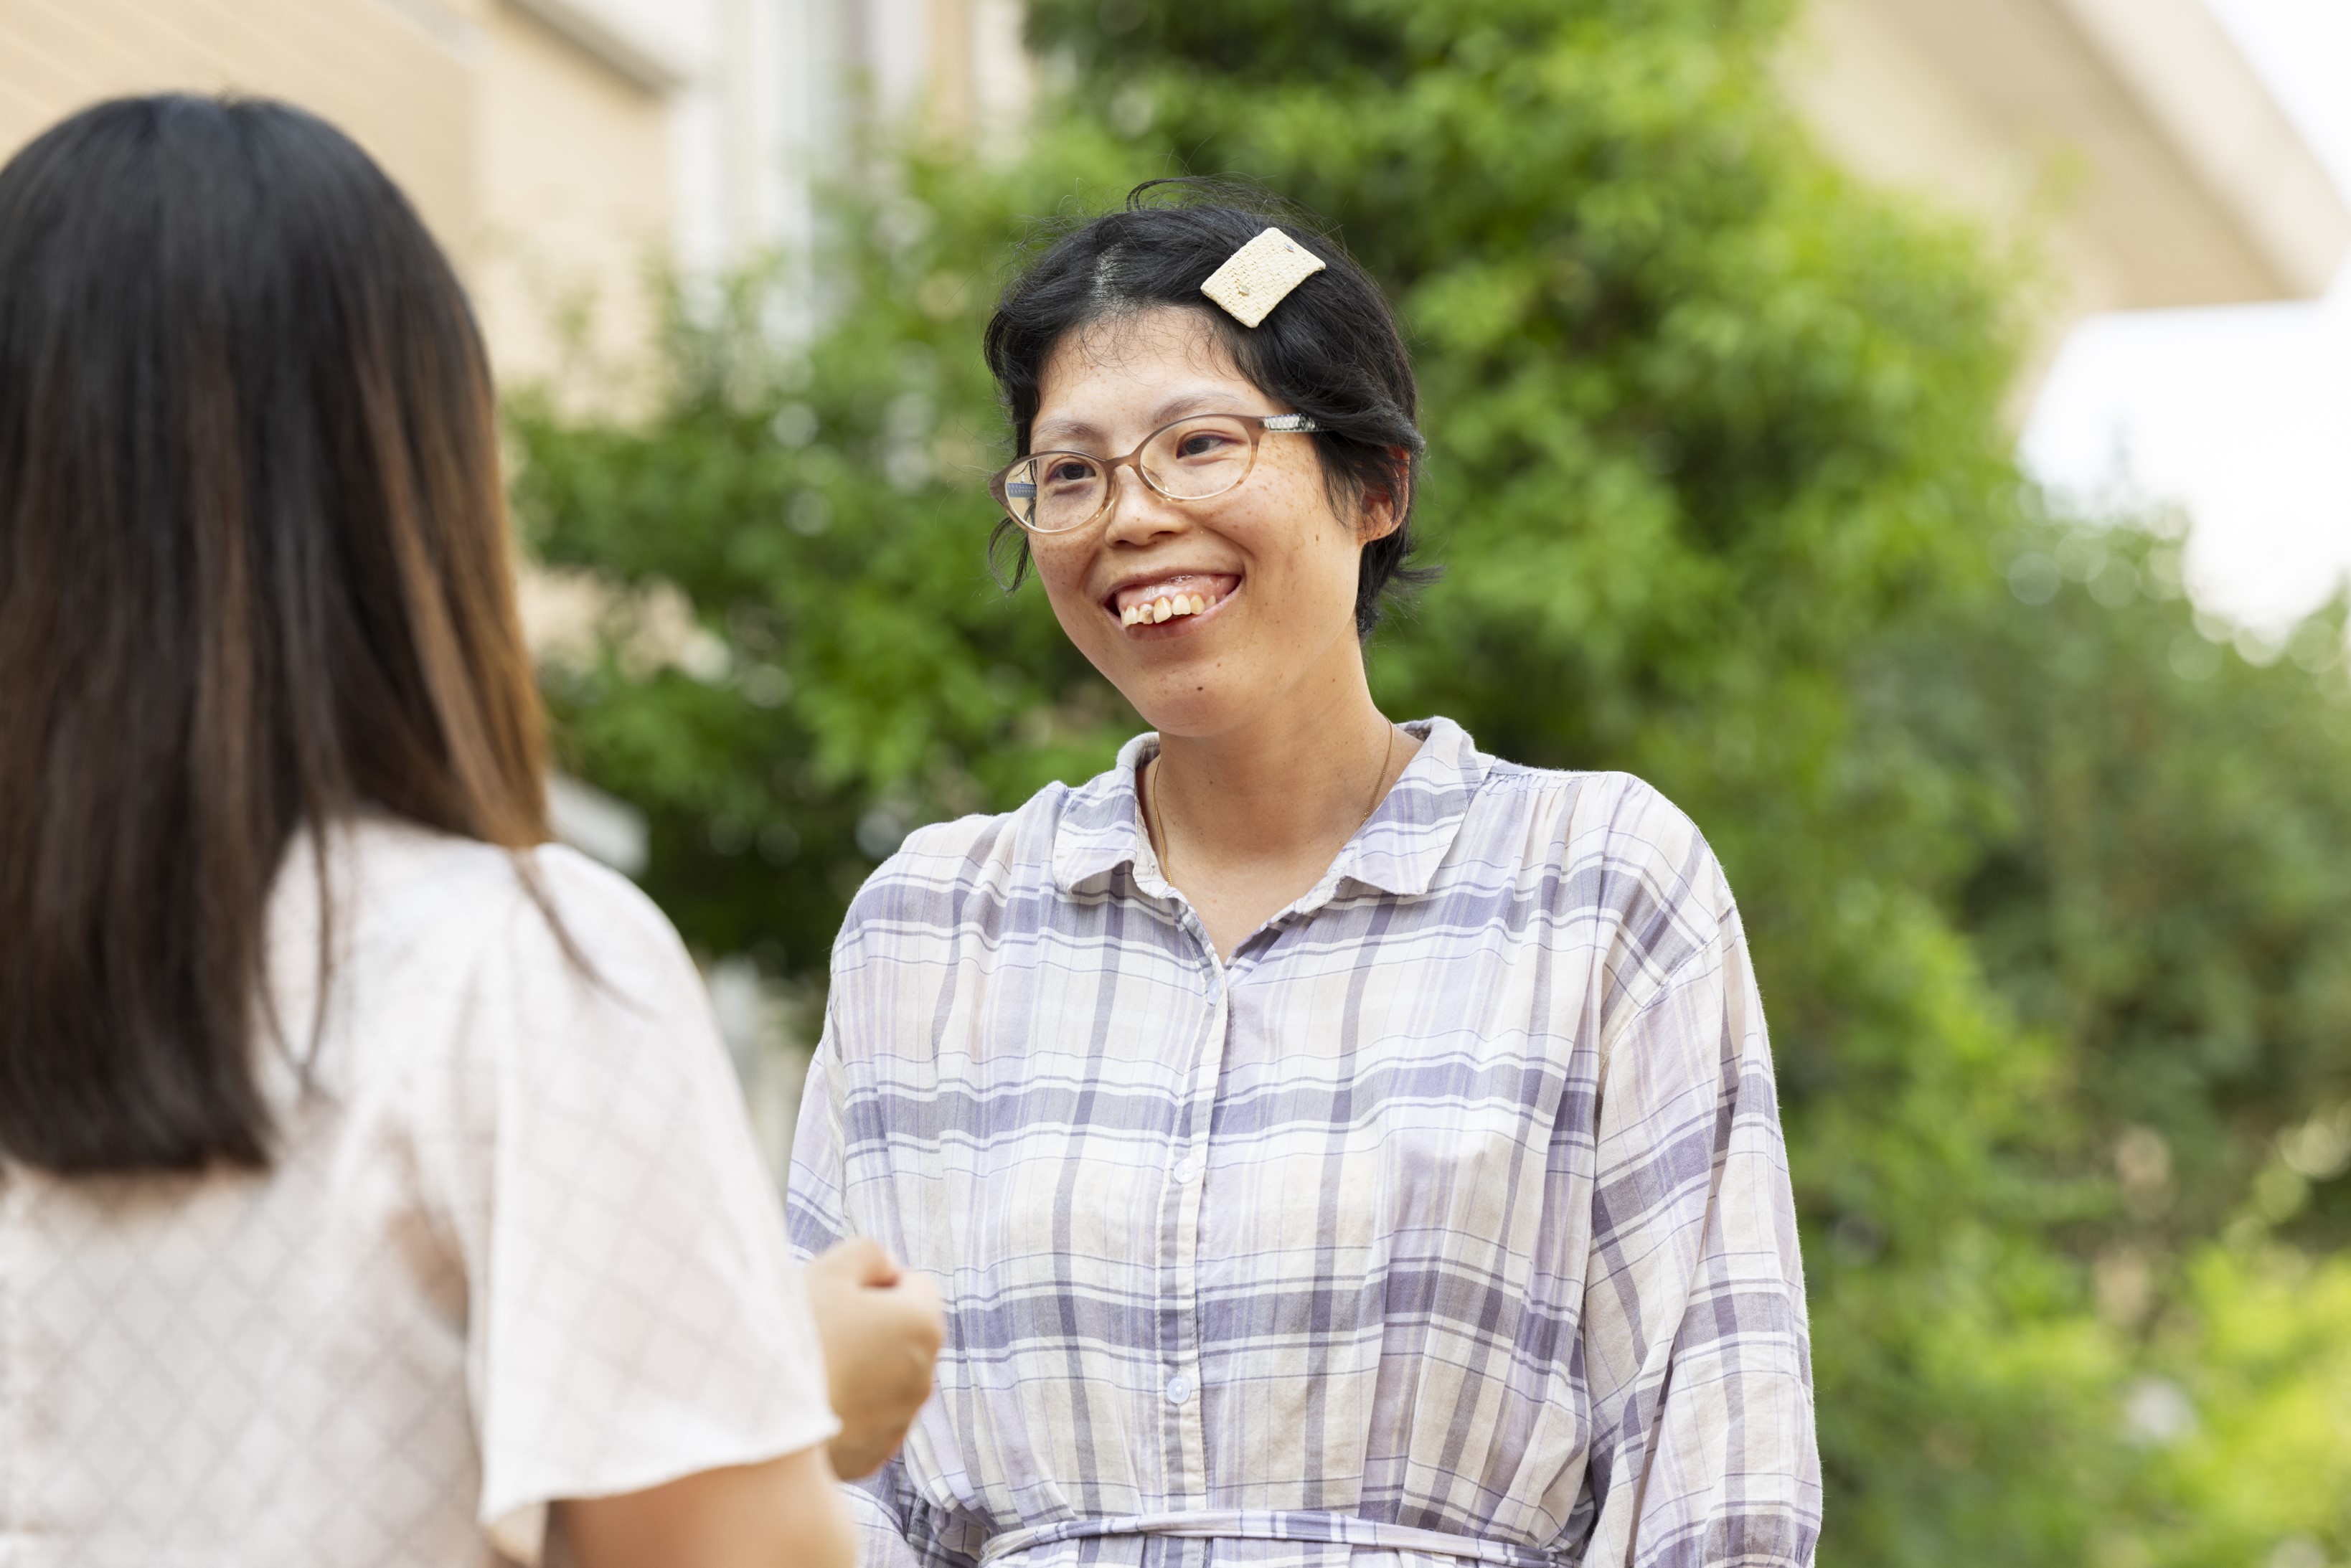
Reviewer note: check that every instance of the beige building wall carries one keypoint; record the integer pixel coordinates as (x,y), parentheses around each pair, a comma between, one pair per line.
(400,87)
(572,197)
(542,167)
(2128,138)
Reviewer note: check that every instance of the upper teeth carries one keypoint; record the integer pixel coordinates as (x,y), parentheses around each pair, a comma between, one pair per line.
(1163,608)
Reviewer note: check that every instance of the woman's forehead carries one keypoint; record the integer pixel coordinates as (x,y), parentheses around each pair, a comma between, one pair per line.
(1131,357)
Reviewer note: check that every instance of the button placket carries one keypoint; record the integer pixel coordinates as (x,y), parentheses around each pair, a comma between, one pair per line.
(1186,1481)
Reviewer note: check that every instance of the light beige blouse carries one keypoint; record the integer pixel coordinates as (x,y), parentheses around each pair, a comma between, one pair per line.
(518,1246)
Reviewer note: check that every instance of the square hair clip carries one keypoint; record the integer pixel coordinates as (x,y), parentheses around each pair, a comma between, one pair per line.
(1259,275)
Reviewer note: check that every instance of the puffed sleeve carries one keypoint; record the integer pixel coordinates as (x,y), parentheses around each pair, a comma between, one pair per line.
(1695,1339)
(633,1313)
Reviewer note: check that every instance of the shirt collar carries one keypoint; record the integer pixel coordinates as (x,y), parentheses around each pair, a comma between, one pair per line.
(1397,851)
(1101,828)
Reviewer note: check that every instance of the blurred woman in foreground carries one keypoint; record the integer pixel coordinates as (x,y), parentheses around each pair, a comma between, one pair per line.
(372,1181)
(1333,1140)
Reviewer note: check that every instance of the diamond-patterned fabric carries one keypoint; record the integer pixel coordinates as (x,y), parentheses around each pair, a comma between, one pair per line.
(518,1246)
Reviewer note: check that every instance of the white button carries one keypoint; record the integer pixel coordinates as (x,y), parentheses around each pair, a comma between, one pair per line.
(1187,1170)
(1179,1389)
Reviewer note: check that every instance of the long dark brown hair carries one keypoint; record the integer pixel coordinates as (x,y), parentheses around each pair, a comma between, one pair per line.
(254,574)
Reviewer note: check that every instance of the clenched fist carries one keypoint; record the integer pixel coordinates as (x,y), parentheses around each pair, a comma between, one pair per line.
(881,1329)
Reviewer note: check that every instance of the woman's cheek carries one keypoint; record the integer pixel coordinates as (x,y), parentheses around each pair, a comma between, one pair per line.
(1064,590)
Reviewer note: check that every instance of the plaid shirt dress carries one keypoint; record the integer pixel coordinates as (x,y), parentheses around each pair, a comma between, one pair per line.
(1447,1222)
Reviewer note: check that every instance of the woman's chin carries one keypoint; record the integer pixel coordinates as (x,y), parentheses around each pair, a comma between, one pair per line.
(1192,707)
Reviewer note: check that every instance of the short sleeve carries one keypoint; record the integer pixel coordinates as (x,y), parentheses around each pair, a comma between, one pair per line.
(634,1316)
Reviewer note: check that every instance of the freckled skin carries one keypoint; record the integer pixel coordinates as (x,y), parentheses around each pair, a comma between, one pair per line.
(1271,748)
(1286,637)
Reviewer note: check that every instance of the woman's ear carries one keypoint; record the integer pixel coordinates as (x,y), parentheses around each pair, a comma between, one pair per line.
(1379,513)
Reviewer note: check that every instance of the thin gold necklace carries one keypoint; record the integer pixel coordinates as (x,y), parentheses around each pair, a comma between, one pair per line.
(1159,828)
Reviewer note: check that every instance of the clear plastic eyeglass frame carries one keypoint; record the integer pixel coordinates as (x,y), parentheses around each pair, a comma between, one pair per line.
(1054,493)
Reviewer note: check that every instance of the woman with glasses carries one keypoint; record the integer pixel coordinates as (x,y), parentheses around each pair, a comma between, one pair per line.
(1331,1139)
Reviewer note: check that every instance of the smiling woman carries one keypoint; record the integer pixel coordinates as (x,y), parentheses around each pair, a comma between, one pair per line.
(1330,1139)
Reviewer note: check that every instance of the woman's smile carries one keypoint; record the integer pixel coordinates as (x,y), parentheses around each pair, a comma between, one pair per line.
(1170,604)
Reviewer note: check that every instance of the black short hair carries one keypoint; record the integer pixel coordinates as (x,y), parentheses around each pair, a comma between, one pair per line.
(1330,351)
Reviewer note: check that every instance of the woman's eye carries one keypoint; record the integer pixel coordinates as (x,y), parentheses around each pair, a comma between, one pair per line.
(1069,473)
(1202,443)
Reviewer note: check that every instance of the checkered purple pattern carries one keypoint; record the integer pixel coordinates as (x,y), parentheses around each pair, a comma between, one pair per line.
(1448,1220)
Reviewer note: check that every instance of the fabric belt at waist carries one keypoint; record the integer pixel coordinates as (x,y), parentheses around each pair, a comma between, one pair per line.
(1309,1525)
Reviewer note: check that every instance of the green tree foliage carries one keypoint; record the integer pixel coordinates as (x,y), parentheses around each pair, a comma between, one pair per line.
(825,510)
(2260,1468)
(2157,879)
(2040,879)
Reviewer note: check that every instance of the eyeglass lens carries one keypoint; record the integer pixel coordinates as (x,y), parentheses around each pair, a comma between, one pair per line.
(1054,492)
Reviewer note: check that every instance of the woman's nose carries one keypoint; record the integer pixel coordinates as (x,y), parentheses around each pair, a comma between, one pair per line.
(1137,512)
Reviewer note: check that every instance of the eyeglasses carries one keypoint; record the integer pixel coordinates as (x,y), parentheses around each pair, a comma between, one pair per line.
(1190,460)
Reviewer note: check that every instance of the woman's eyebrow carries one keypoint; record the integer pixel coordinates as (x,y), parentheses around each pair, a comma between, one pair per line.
(1176,408)
(1054,431)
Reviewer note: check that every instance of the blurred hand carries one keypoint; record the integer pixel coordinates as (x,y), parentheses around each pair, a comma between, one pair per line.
(881,1329)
